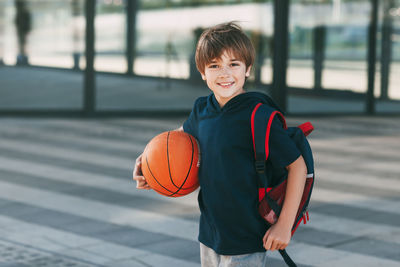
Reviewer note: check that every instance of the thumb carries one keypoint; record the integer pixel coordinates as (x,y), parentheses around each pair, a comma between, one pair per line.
(266,235)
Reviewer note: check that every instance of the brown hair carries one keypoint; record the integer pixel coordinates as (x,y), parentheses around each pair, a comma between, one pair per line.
(223,37)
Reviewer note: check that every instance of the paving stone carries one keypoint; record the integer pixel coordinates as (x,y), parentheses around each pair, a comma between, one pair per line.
(357,213)
(50,218)
(90,227)
(128,263)
(114,251)
(318,237)
(13,255)
(373,247)
(81,253)
(17,210)
(131,237)
(175,248)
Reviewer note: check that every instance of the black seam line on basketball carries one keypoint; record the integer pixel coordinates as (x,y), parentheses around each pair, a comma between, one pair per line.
(169,167)
(163,193)
(191,163)
(155,179)
(190,168)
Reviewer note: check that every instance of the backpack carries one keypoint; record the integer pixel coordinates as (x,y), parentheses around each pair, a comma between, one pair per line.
(273,180)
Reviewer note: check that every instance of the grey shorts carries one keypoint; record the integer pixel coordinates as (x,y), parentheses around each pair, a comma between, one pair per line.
(211,259)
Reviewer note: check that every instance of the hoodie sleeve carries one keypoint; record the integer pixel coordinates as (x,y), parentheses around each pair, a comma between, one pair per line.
(283,151)
(190,125)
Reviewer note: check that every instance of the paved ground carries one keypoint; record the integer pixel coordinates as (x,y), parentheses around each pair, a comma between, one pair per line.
(67,198)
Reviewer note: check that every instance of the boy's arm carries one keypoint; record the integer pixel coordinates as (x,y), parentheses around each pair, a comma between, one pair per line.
(278,236)
(137,171)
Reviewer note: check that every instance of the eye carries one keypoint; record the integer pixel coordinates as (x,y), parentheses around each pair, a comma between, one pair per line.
(213,66)
(234,64)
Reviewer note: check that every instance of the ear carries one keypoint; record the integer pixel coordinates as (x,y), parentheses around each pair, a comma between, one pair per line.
(203,76)
(248,71)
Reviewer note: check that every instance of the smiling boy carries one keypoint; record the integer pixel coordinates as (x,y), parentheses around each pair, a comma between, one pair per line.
(231,231)
(225,76)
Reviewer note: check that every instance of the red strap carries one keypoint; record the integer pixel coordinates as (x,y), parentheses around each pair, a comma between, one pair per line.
(261,193)
(306,127)
(271,118)
(252,126)
(297,225)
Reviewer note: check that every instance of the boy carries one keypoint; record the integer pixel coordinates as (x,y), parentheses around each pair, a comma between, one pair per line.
(232,233)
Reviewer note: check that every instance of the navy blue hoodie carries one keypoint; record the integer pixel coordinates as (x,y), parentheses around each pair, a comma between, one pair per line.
(228,196)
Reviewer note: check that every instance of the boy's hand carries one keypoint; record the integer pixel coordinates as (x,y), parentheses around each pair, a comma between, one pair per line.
(277,237)
(138,175)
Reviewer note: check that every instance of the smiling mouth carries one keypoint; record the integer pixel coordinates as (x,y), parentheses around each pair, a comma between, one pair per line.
(226,85)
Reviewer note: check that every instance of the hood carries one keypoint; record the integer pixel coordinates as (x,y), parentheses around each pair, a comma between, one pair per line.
(241,101)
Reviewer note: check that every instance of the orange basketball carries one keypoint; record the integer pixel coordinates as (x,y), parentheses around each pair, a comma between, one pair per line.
(170,163)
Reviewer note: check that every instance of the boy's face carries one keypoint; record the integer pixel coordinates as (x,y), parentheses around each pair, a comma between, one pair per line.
(225,76)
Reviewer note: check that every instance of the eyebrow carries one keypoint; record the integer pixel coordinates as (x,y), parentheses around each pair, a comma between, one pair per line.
(214,61)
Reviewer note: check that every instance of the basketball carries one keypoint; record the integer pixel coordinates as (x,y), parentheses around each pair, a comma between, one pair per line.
(170,163)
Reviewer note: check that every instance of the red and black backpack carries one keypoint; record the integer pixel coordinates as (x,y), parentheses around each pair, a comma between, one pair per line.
(273,180)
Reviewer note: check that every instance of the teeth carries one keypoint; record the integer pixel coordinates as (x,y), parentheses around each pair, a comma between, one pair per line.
(225,84)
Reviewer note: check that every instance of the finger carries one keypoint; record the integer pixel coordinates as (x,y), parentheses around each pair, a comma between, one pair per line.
(137,170)
(139,178)
(140,181)
(282,246)
(275,245)
(268,243)
(141,184)
(138,166)
(143,187)
(138,163)
(266,236)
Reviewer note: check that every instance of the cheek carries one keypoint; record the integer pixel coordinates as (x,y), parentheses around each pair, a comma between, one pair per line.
(209,76)
(209,83)
(240,77)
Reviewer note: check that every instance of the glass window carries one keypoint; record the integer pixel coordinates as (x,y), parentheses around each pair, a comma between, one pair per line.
(45,33)
(328,55)
(167,32)
(41,33)
(347,46)
(110,35)
(9,33)
(303,17)
(2,29)
(394,73)
(332,33)
(388,71)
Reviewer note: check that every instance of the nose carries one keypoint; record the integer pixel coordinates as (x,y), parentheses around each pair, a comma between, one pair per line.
(225,71)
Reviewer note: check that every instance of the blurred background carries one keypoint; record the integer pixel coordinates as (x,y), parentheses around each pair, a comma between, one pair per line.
(343,55)
(85,84)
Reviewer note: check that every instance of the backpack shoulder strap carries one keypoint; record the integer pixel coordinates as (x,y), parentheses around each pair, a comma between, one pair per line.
(261,122)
